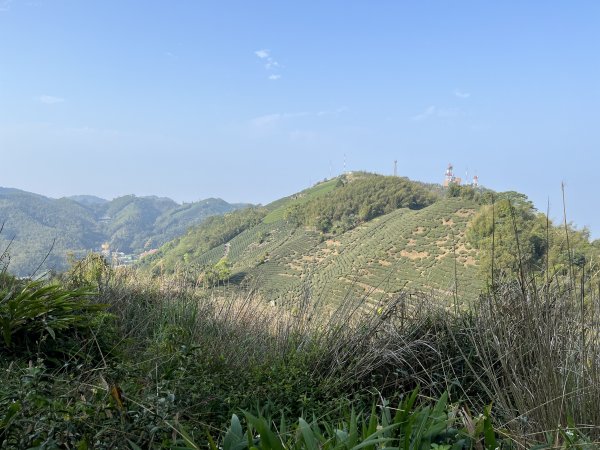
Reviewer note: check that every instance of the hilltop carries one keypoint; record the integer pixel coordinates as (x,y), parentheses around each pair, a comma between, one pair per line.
(370,236)
(357,234)
(80,224)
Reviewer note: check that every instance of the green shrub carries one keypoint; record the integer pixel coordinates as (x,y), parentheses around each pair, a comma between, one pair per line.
(409,426)
(37,314)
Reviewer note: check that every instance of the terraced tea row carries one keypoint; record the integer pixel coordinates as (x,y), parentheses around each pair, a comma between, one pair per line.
(405,251)
(333,241)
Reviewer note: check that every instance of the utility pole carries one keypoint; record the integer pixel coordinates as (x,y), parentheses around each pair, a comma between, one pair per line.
(395,168)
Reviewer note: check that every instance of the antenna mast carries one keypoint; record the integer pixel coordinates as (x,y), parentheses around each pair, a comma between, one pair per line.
(395,167)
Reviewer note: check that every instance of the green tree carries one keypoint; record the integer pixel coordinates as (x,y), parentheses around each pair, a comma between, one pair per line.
(510,232)
(212,276)
(513,233)
(223,269)
(360,200)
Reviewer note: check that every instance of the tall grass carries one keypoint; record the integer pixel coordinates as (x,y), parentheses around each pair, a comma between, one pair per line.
(241,330)
(181,358)
(540,351)
(231,352)
(532,350)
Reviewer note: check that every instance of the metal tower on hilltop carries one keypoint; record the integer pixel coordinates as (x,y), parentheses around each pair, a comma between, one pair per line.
(395,167)
(449,177)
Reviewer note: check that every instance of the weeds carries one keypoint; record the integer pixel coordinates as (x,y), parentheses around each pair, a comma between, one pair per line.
(409,426)
(167,366)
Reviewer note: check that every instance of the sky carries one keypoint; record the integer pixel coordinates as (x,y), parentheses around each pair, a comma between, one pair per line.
(252,101)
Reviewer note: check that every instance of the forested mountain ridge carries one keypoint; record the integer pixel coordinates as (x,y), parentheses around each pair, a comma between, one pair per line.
(374,236)
(357,234)
(33,224)
(88,200)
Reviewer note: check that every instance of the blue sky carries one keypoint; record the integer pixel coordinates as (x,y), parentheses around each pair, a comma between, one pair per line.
(250,101)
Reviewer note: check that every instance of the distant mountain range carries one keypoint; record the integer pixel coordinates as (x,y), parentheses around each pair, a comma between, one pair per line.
(82,223)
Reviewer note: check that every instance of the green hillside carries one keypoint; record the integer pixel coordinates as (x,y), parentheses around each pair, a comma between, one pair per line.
(410,238)
(365,235)
(279,208)
(79,224)
(88,200)
(193,246)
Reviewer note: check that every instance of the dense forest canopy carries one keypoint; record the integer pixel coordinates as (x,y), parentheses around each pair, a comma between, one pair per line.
(359,200)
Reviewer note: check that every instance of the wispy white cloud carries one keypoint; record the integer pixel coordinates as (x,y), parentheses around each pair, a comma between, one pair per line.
(334,112)
(5,5)
(434,111)
(170,54)
(461,94)
(269,62)
(50,99)
(265,55)
(272,64)
(268,120)
(262,54)
(447,112)
(430,111)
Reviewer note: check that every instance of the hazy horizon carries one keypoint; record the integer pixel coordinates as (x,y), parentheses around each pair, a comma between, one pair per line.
(252,102)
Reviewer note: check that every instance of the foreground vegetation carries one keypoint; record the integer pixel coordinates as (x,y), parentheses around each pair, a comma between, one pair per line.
(105,359)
